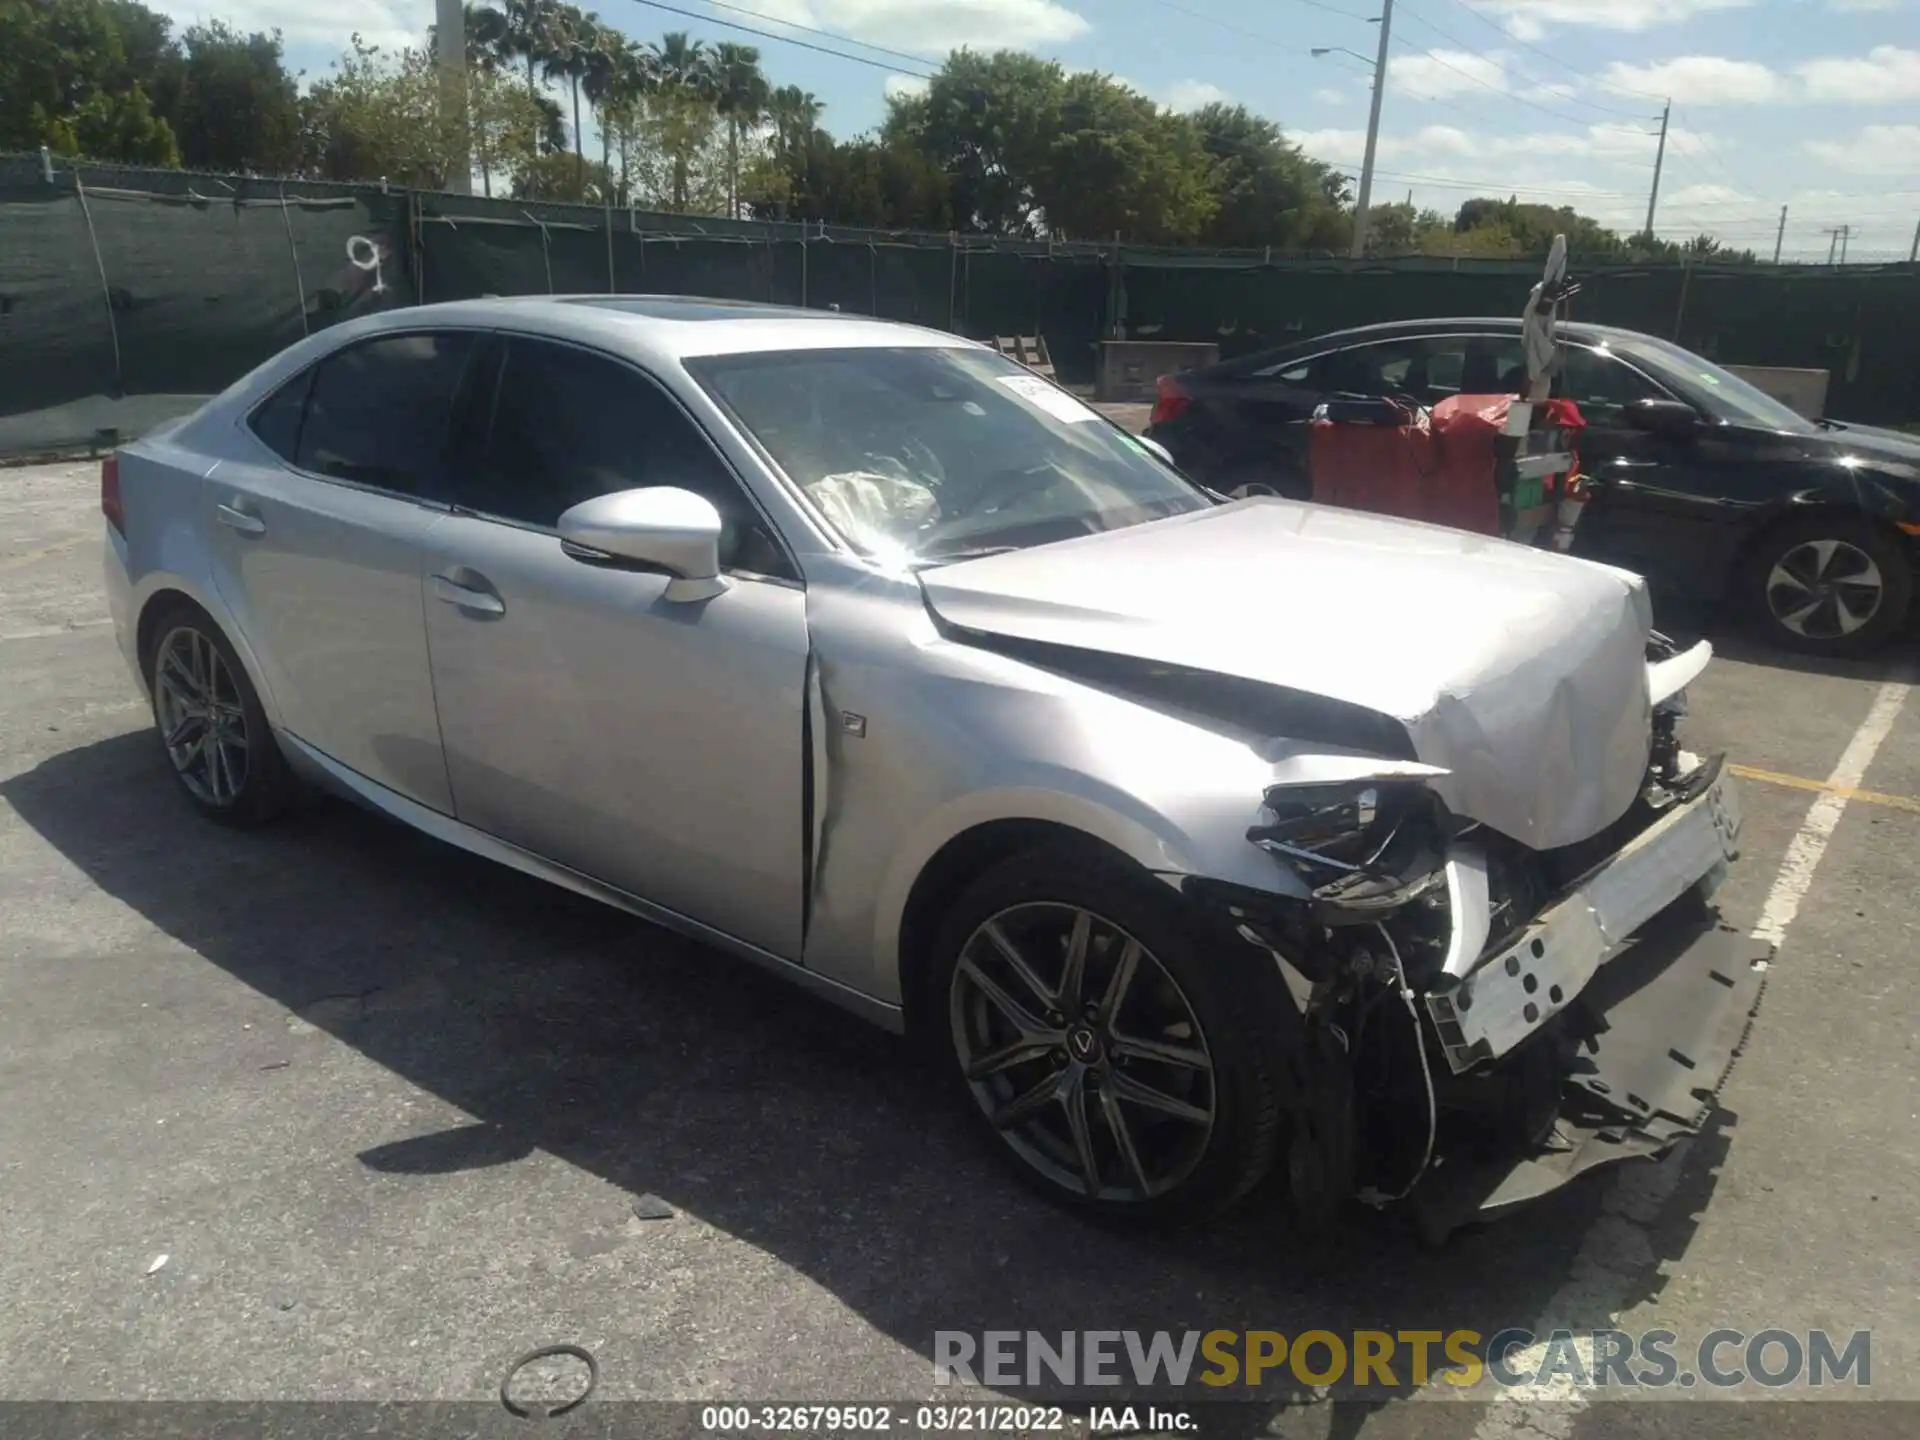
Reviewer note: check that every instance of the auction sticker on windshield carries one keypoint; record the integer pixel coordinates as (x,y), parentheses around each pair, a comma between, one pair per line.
(1050,398)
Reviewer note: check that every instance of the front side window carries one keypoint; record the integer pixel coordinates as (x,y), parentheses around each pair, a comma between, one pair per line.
(1721,393)
(569,425)
(1597,381)
(378,411)
(931,454)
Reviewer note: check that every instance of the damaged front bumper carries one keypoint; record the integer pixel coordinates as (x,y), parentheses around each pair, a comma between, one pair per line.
(1484,1005)
(1666,1021)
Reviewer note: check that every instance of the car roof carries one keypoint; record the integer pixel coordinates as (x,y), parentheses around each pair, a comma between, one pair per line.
(1397,329)
(677,327)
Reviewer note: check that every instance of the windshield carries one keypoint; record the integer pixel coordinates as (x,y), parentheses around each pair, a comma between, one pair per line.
(1722,394)
(932,454)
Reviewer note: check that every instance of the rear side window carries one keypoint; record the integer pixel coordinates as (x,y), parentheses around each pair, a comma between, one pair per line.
(277,420)
(378,411)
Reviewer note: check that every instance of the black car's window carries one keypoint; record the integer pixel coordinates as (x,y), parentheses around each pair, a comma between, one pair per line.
(277,418)
(569,425)
(1600,384)
(378,411)
(1387,367)
(1295,373)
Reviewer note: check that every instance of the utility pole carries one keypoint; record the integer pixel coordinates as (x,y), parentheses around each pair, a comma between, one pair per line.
(1780,235)
(1913,251)
(1833,233)
(1846,232)
(450,50)
(1373,132)
(1659,159)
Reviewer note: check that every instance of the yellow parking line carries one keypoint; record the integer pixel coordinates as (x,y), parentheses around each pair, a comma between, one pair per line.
(1797,782)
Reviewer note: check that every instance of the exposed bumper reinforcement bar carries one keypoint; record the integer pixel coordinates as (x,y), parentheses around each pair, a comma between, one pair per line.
(1671,1015)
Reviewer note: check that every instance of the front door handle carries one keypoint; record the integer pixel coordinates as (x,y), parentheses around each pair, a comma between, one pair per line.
(466,597)
(235,518)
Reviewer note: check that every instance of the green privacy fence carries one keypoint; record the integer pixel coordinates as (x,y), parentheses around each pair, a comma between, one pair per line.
(128,295)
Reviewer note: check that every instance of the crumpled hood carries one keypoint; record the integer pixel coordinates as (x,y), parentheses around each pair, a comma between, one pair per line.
(1523,673)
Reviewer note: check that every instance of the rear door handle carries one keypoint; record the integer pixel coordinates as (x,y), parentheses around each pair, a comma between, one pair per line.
(466,597)
(235,518)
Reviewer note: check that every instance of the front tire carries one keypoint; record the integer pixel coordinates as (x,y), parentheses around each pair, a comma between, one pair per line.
(212,727)
(1118,1051)
(1829,584)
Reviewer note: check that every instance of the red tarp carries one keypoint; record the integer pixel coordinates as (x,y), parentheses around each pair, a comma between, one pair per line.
(1440,466)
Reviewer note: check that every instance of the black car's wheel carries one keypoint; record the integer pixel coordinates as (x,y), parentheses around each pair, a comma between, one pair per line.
(1830,584)
(1114,1057)
(211,724)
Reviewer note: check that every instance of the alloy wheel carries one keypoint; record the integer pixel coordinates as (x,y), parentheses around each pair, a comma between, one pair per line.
(1083,1052)
(201,717)
(1825,589)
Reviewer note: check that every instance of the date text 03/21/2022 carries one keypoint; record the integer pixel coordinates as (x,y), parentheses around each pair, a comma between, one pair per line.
(953,1419)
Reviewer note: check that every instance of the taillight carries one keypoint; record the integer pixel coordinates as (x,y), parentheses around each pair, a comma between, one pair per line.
(1169,400)
(110,493)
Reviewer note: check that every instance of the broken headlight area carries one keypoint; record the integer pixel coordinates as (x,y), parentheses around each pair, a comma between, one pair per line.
(1364,850)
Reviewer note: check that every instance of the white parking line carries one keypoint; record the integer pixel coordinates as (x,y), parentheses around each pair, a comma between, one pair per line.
(1618,1250)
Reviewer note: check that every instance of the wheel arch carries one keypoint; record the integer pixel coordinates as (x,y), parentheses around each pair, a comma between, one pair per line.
(163,594)
(957,864)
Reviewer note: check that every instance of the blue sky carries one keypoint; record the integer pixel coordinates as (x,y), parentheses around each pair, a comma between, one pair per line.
(1812,104)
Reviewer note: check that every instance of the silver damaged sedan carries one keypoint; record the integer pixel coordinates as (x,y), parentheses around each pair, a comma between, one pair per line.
(1194,838)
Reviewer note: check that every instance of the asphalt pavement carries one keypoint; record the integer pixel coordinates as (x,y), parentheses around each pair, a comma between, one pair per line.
(386,1110)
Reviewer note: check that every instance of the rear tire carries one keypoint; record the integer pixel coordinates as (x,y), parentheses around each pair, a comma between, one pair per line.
(212,727)
(1119,1051)
(1831,584)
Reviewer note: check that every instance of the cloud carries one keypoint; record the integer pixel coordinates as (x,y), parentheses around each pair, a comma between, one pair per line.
(1700,80)
(1330,96)
(1884,75)
(1185,95)
(899,87)
(1436,74)
(1875,150)
(326,29)
(933,27)
(1532,19)
(1864,5)
(1626,145)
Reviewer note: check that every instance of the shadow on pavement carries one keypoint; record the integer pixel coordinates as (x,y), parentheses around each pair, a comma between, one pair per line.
(667,1068)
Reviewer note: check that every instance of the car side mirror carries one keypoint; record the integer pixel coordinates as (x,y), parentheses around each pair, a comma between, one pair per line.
(661,528)
(1662,417)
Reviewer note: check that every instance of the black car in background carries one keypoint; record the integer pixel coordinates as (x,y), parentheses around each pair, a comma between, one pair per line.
(1709,487)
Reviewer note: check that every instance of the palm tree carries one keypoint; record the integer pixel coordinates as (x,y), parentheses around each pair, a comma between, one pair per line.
(489,37)
(684,63)
(618,74)
(741,93)
(528,26)
(685,71)
(572,37)
(795,114)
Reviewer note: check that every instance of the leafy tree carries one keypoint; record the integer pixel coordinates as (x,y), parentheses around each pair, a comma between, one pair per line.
(81,77)
(237,108)
(1267,191)
(1115,162)
(379,115)
(561,176)
(987,121)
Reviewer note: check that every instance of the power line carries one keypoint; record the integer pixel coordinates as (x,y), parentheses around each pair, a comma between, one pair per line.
(1446,34)
(1548,54)
(1485,84)
(824,34)
(787,39)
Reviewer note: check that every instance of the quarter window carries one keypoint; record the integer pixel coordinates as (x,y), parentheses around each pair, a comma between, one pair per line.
(378,411)
(277,420)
